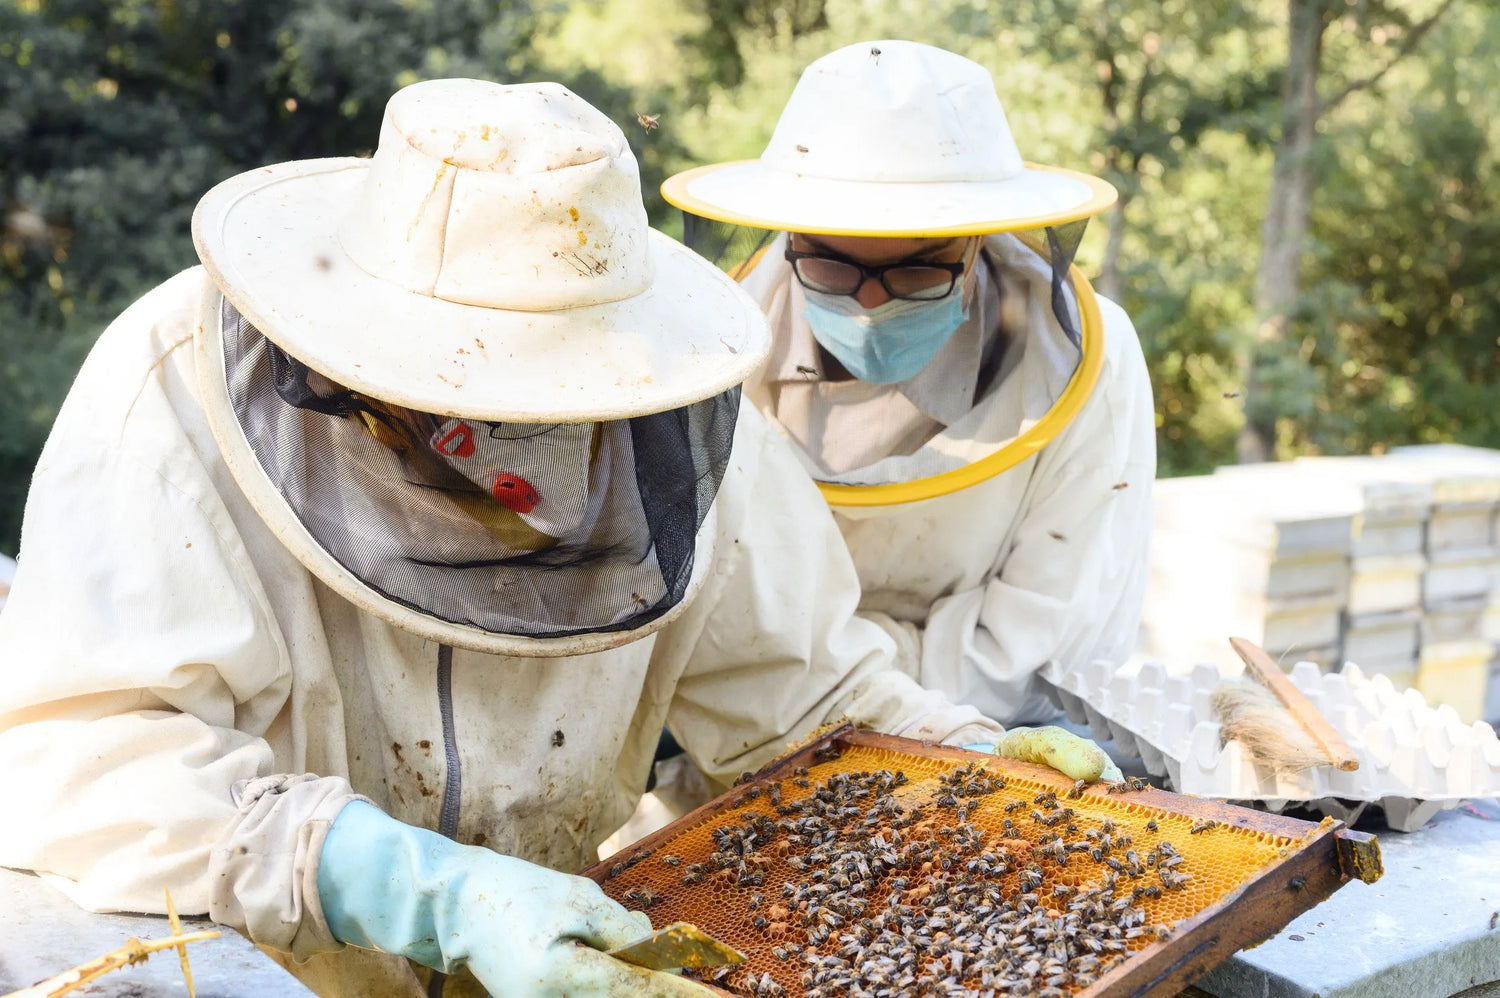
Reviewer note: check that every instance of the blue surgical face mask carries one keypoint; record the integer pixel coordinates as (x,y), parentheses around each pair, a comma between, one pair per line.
(890,342)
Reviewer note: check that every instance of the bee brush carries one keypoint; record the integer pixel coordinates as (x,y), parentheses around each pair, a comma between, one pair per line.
(1278,726)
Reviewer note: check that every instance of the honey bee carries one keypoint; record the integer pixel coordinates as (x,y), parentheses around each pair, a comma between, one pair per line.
(648,121)
(1205,825)
(644,898)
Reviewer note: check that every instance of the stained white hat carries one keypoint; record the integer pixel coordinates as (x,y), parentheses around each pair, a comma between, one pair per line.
(891,138)
(492,261)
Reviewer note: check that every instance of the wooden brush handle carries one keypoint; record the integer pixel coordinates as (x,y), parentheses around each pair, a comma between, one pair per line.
(1269,675)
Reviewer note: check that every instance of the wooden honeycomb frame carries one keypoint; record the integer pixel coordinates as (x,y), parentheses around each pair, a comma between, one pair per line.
(1253,872)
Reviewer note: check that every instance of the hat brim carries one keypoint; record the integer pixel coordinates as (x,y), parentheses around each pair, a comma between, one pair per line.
(750,193)
(269,239)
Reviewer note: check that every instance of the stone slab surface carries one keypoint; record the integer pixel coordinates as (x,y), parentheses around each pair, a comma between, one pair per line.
(42,933)
(1429,927)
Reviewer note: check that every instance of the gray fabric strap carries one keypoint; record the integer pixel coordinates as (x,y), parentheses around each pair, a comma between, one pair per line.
(448,824)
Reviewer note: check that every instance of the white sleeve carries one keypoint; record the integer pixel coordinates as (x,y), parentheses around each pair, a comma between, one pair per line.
(773,643)
(141,670)
(1070,589)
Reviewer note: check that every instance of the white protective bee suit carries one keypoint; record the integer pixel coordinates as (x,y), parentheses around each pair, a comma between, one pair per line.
(1042,565)
(185,703)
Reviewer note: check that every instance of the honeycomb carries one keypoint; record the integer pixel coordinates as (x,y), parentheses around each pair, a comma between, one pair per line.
(800,873)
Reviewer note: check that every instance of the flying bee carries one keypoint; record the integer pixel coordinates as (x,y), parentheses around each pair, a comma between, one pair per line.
(648,121)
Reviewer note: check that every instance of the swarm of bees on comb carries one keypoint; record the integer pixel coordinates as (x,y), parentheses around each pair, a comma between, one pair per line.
(923,877)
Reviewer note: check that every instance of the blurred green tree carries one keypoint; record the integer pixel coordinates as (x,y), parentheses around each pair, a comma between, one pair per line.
(116,115)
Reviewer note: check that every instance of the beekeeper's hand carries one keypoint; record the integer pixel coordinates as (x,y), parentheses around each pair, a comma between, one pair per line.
(1075,757)
(521,929)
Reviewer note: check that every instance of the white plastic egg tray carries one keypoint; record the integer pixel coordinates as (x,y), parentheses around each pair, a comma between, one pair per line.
(1414,760)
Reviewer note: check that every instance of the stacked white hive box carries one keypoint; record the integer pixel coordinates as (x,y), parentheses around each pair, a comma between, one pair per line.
(1245,554)
(1387,559)
(1392,562)
(1461,590)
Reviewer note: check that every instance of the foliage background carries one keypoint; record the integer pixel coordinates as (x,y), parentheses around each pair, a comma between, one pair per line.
(116,115)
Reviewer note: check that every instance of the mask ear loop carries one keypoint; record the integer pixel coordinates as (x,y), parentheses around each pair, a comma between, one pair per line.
(971,269)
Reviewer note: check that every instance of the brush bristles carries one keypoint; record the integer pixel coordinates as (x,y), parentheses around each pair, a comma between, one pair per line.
(1252,716)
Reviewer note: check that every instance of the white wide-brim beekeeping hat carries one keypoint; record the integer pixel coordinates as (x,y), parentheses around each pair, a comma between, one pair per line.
(891,138)
(491,261)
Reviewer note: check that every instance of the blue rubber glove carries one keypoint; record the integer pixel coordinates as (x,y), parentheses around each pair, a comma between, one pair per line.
(1072,755)
(521,929)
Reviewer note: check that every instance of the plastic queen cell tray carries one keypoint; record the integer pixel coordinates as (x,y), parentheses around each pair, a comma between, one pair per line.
(1414,759)
(864,864)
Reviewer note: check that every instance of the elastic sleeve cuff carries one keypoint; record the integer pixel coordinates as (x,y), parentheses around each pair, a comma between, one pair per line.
(263,871)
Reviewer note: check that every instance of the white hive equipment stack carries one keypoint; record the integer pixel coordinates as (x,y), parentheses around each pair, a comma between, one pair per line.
(1414,759)
(1382,621)
(1461,589)
(1391,561)
(1246,554)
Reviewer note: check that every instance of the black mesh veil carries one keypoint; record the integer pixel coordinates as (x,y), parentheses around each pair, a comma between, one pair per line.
(520,529)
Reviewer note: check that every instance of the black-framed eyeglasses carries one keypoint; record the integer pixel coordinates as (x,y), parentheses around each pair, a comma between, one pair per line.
(832,274)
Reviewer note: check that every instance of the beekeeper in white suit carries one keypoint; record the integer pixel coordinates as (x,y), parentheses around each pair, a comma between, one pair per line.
(365,563)
(979,420)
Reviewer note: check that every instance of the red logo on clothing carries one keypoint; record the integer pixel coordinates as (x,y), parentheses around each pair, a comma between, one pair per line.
(459,442)
(515,493)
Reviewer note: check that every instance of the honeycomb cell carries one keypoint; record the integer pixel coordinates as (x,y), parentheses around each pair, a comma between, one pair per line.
(880,873)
